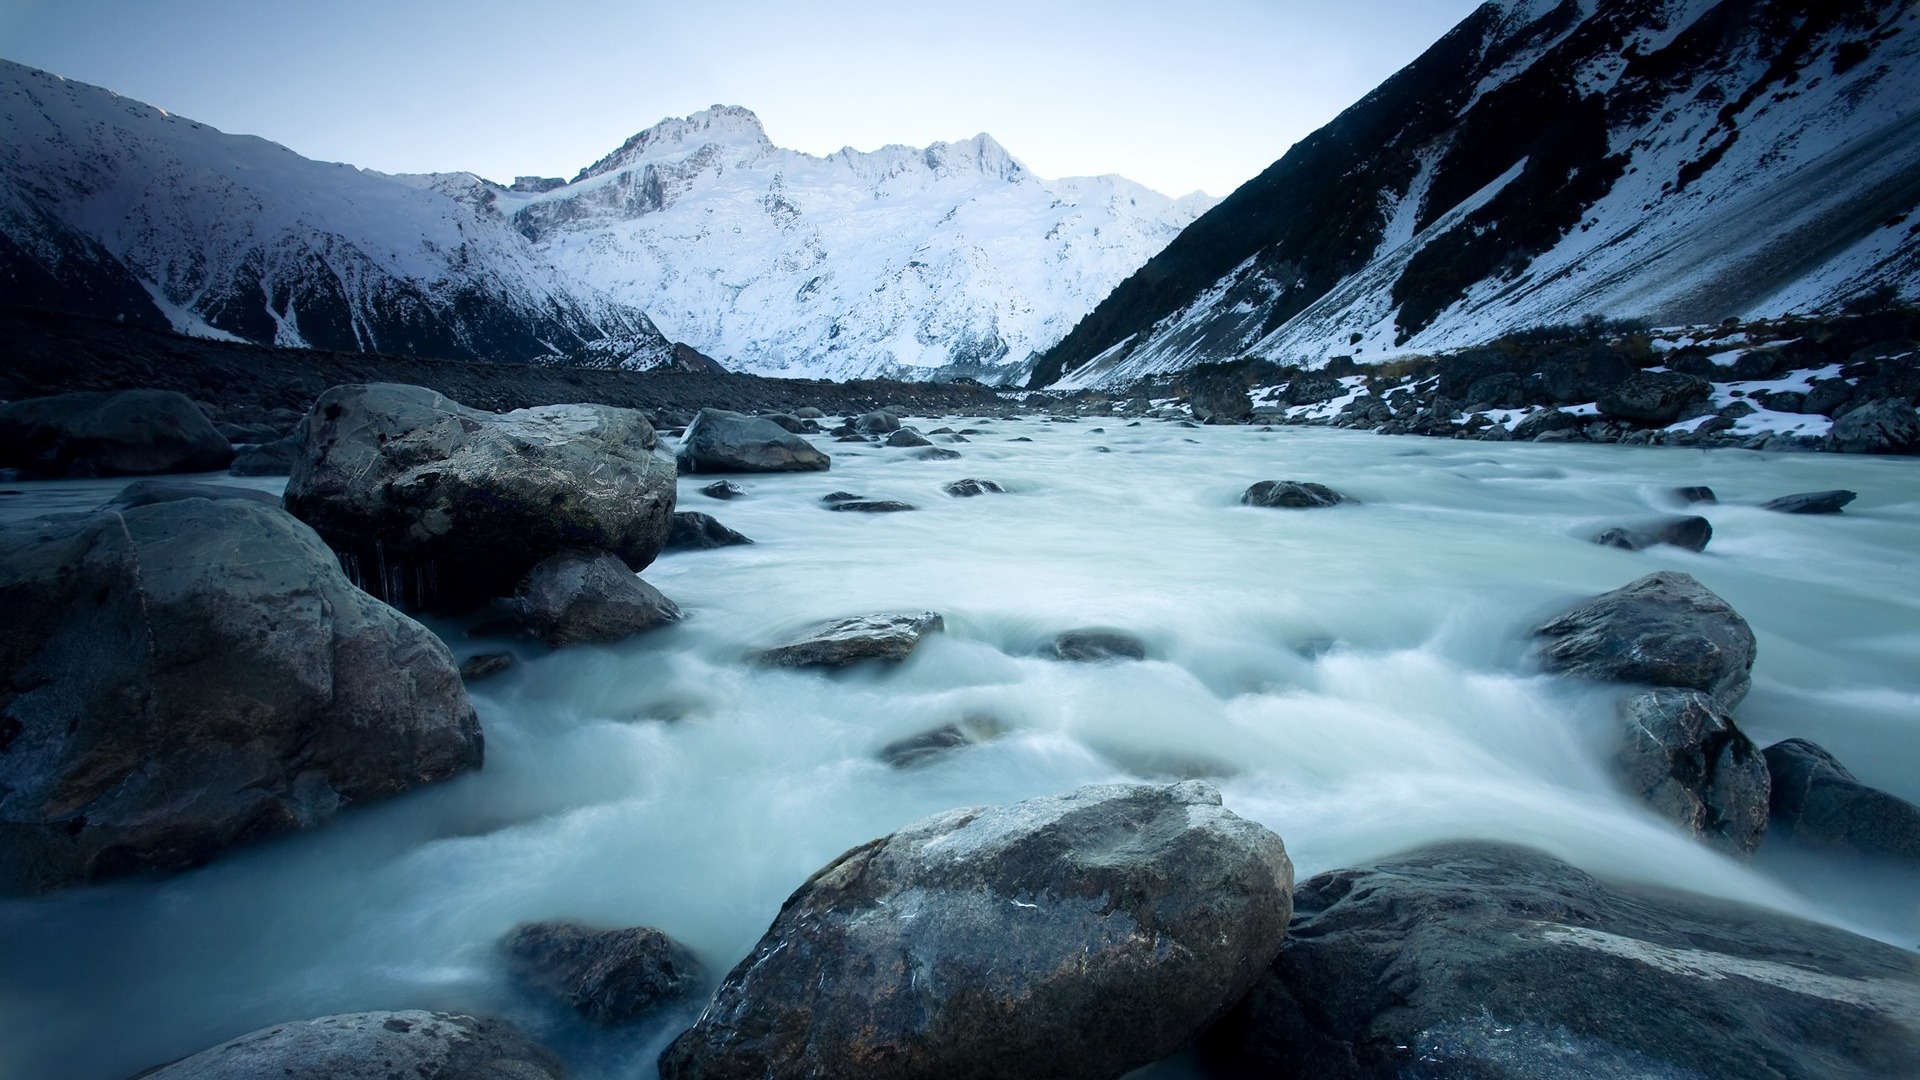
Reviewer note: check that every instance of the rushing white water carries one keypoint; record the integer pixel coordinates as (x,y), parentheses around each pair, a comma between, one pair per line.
(1357,678)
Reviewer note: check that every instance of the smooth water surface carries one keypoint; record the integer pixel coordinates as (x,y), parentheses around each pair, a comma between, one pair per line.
(1356,678)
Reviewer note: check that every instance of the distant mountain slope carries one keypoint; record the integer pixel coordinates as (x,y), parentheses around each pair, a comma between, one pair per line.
(954,259)
(112,207)
(1675,160)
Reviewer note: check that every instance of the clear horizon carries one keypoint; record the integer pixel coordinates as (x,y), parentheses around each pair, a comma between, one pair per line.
(1203,101)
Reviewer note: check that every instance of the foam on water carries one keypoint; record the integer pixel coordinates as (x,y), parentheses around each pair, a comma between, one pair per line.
(1357,678)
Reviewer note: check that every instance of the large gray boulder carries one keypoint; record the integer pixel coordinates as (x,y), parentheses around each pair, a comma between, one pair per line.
(99,433)
(887,638)
(608,976)
(1483,961)
(722,441)
(587,597)
(1883,426)
(1077,935)
(1682,754)
(373,1046)
(1654,397)
(434,505)
(183,677)
(1817,802)
(1665,629)
(1292,495)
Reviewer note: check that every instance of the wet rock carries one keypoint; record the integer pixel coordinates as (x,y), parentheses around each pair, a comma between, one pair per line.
(1543,421)
(373,1046)
(1074,936)
(809,413)
(1020,438)
(183,677)
(1885,426)
(1654,397)
(1094,646)
(888,638)
(434,505)
(722,489)
(1811,502)
(971,486)
(937,453)
(793,424)
(870,506)
(1665,629)
(1691,533)
(97,433)
(1817,802)
(878,422)
(907,437)
(1683,755)
(1483,960)
(1292,494)
(840,496)
(586,597)
(1687,496)
(608,976)
(722,441)
(919,749)
(250,434)
(486,665)
(149,492)
(694,531)
(268,459)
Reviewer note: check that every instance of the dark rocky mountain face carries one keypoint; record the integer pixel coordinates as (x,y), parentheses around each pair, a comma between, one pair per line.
(1677,160)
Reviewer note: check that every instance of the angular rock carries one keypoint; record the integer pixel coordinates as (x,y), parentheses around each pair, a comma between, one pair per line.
(1683,755)
(1811,502)
(1817,802)
(583,597)
(908,437)
(694,531)
(1690,532)
(869,506)
(1654,397)
(1074,936)
(373,1046)
(149,492)
(1665,629)
(268,459)
(180,678)
(928,745)
(1095,646)
(722,441)
(722,489)
(608,976)
(486,665)
(1495,962)
(99,433)
(1885,426)
(1292,494)
(435,505)
(888,638)
(971,486)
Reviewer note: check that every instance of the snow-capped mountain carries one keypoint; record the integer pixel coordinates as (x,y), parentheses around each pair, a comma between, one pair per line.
(1679,161)
(954,259)
(113,207)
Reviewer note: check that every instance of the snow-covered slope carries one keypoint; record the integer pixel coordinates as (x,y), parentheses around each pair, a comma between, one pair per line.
(114,207)
(1679,161)
(949,260)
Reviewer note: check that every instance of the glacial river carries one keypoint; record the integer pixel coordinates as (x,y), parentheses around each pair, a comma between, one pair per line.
(1356,678)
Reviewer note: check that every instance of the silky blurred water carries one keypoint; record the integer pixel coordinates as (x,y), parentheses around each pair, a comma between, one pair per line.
(1356,678)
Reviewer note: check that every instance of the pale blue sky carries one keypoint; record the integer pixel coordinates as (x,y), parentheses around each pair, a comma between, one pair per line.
(1202,94)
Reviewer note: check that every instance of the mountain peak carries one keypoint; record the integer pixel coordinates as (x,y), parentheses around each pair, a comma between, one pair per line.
(723,125)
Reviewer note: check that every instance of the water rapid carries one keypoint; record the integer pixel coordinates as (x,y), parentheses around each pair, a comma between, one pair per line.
(1356,678)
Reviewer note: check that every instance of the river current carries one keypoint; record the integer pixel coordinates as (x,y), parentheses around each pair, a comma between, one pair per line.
(1358,679)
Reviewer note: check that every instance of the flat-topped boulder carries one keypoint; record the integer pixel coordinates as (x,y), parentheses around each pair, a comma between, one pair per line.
(186,676)
(719,441)
(437,506)
(1810,502)
(100,433)
(373,1046)
(888,638)
(1486,960)
(1072,936)
(1665,629)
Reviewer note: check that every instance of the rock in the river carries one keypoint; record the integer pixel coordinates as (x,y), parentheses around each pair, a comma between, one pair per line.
(840,496)
(1654,397)
(183,677)
(694,531)
(607,976)
(1493,962)
(908,437)
(486,665)
(722,441)
(1074,936)
(919,749)
(1816,801)
(971,486)
(436,505)
(722,489)
(1292,494)
(1884,426)
(1811,502)
(580,597)
(888,638)
(148,492)
(878,422)
(869,506)
(268,459)
(373,1046)
(936,453)
(1683,755)
(98,433)
(1665,629)
(1094,646)
(1696,494)
(1690,532)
